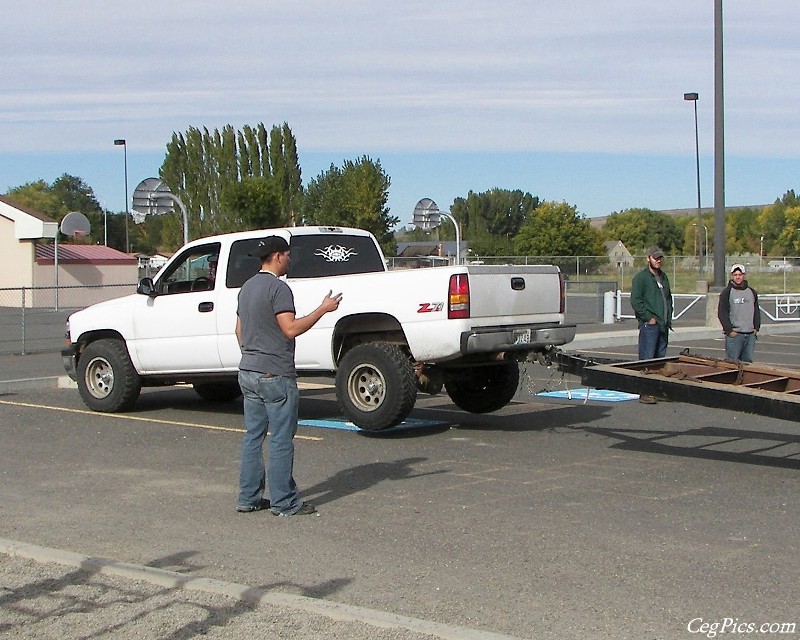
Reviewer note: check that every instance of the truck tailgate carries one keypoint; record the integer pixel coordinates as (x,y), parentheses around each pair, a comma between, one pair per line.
(517,290)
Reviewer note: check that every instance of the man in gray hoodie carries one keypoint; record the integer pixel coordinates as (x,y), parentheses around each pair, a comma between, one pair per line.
(739,315)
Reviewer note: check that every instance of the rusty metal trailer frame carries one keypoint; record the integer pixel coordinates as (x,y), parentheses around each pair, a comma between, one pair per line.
(694,379)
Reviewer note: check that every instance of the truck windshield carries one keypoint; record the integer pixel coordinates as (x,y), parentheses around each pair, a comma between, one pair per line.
(312,256)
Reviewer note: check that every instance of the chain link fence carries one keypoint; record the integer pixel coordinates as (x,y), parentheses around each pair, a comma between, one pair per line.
(32,319)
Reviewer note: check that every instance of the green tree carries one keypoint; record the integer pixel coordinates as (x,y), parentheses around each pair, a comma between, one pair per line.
(557,229)
(639,229)
(790,237)
(70,193)
(39,196)
(352,196)
(254,202)
(201,165)
(776,227)
(490,220)
(742,231)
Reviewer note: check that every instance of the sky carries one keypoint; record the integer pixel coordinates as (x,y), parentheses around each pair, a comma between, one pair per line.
(570,100)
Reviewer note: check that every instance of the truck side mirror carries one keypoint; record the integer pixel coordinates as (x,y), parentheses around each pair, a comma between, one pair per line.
(146,288)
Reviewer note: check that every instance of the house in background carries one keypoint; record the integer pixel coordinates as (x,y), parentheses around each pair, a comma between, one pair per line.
(20,230)
(426,254)
(618,254)
(87,273)
(28,263)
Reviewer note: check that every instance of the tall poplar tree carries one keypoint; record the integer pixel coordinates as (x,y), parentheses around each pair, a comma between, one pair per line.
(201,165)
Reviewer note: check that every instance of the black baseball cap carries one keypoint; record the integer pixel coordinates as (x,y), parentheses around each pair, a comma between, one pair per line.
(269,245)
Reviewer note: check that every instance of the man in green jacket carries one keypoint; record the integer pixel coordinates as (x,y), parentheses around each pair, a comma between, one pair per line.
(651,299)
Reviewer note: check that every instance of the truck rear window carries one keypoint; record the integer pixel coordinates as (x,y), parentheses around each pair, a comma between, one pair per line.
(312,256)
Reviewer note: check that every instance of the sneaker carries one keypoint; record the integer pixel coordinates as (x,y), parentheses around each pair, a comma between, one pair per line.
(305,509)
(647,400)
(250,508)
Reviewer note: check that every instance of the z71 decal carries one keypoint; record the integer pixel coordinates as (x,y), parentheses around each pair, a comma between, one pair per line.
(430,307)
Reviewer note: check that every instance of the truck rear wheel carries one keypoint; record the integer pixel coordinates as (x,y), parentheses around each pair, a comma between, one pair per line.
(376,386)
(107,380)
(484,389)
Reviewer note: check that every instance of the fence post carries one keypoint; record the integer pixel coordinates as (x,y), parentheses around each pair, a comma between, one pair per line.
(23,321)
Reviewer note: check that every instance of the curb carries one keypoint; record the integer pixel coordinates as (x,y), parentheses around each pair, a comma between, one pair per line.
(627,337)
(32,384)
(173,580)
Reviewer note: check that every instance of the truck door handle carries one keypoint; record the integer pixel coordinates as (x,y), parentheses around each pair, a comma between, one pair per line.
(517,284)
(205,307)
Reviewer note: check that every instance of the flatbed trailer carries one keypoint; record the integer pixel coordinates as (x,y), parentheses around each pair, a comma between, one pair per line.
(695,379)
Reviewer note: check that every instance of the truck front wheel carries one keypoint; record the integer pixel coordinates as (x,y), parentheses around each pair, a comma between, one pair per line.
(376,386)
(484,389)
(107,380)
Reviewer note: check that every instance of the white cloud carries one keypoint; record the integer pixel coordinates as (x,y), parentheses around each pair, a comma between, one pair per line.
(359,76)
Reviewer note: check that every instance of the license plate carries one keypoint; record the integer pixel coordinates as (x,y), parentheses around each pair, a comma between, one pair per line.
(522,336)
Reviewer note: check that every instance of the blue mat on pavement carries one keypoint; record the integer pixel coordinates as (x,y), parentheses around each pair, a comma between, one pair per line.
(600,395)
(345,425)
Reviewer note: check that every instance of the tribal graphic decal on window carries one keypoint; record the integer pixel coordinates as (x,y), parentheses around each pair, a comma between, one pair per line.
(336,253)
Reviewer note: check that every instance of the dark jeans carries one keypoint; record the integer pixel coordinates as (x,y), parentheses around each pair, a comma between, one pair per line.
(740,347)
(652,342)
(269,402)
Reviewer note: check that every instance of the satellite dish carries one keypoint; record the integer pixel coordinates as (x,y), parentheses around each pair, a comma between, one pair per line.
(75,224)
(426,215)
(151,197)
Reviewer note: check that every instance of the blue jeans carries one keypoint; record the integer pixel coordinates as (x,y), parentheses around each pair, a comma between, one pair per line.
(269,402)
(740,347)
(652,342)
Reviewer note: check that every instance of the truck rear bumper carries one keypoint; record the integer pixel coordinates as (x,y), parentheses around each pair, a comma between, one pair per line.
(536,338)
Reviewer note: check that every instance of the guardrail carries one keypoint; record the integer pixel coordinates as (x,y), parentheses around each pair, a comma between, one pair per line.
(786,305)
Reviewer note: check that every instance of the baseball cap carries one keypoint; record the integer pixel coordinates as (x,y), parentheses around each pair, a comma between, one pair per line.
(270,244)
(738,267)
(655,252)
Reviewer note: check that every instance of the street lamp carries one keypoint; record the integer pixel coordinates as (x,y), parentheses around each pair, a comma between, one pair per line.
(117,143)
(703,257)
(692,97)
(761,255)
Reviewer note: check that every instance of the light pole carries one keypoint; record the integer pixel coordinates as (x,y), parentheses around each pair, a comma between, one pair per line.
(761,255)
(121,142)
(692,97)
(704,257)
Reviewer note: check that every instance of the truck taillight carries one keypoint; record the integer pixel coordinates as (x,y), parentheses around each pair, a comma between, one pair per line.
(458,296)
(562,307)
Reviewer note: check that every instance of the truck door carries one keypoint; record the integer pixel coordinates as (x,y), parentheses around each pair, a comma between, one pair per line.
(177,329)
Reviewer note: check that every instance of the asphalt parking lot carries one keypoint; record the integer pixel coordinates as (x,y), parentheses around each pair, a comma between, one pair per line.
(548,519)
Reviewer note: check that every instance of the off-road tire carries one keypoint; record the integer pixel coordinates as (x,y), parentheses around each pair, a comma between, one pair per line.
(107,380)
(376,386)
(484,389)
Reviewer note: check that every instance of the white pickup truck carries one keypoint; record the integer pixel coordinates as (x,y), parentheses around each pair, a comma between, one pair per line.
(461,328)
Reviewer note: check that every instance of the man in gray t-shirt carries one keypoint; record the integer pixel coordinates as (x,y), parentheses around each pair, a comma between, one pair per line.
(739,315)
(265,348)
(266,327)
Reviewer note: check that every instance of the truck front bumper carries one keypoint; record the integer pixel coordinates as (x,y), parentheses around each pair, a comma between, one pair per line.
(69,358)
(536,338)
